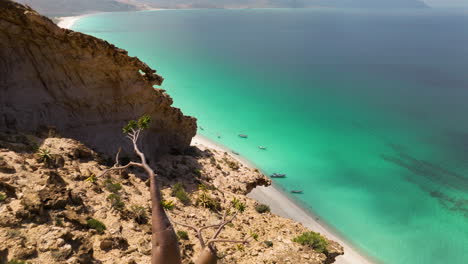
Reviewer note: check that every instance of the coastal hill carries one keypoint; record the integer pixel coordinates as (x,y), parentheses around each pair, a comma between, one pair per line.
(64,97)
(81,87)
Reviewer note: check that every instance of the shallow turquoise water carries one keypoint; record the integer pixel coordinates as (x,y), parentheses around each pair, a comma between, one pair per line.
(365,111)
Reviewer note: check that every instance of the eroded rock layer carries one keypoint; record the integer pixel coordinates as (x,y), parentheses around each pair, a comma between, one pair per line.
(81,86)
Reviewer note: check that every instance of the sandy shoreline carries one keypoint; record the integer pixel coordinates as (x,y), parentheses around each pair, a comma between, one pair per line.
(284,206)
(69,21)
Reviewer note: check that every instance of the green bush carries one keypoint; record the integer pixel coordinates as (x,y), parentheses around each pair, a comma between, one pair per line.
(112,187)
(91,178)
(237,204)
(115,201)
(58,222)
(179,192)
(44,155)
(313,240)
(168,205)
(182,235)
(262,208)
(14,261)
(268,243)
(2,197)
(96,225)
(254,236)
(205,200)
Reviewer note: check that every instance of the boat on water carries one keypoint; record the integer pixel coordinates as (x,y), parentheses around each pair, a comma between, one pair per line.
(296,191)
(262,147)
(235,153)
(278,175)
(201,128)
(243,136)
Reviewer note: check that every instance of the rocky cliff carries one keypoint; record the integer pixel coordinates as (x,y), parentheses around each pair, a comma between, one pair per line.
(54,207)
(80,86)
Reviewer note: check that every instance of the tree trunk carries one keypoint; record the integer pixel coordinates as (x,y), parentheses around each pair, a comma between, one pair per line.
(207,256)
(165,246)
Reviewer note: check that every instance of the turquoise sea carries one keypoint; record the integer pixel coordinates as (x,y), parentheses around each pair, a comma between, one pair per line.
(364,110)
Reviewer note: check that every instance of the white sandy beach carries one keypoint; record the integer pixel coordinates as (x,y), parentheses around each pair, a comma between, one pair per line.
(283,206)
(68,22)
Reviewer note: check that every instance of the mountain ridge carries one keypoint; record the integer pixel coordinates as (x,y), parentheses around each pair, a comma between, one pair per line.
(68,7)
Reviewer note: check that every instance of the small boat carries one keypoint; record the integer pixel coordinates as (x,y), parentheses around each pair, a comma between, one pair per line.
(262,147)
(218,135)
(201,128)
(278,175)
(243,136)
(296,191)
(235,153)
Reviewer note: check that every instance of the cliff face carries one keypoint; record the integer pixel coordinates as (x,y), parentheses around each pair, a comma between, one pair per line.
(83,87)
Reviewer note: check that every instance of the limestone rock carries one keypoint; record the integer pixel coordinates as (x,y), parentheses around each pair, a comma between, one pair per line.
(81,87)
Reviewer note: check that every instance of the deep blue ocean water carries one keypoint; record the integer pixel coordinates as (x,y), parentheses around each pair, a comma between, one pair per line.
(366,111)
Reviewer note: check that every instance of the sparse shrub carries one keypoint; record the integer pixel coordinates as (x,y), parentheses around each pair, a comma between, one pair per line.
(237,204)
(268,243)
(205,200)
(15,261)
(179,192)
(254,236)
(44,155)
(3,197)
(313,240)
(58,222)
(240,247)
(96,225)
(112,187)
(168,205)
(91,178)
(202,187)
(197,172)
(183,235)
(115,201)
(212,160)
(139,214)
(262,208)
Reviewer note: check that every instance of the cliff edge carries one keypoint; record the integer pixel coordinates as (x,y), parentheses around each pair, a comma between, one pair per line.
(80,86)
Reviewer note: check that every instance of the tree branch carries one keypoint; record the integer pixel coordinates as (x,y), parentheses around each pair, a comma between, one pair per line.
(211,241)
(223,224)
(121,168)
(117,158)
(197,230)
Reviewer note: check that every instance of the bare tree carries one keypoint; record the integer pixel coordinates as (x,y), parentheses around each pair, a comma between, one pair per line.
(209,252)
(165,246)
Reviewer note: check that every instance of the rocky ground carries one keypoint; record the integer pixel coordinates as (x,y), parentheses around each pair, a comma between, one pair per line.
(55,207)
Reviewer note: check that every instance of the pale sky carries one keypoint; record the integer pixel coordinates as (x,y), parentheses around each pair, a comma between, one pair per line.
(447,2)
